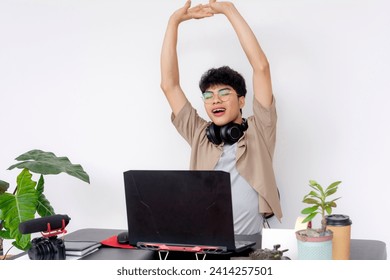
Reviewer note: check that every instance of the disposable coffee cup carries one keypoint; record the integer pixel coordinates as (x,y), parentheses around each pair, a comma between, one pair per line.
(340,225)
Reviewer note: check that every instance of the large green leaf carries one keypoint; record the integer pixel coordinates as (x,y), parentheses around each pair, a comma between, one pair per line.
(19,208)
(44,208)
(45,163)
(5,234)
(3,186)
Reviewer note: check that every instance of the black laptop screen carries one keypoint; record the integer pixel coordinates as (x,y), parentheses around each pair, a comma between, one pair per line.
(179,207)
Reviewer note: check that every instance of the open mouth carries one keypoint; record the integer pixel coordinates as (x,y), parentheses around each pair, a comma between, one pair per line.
(218,111)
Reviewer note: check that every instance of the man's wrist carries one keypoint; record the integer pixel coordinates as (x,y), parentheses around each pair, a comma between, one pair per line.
(229,9)
(174,20)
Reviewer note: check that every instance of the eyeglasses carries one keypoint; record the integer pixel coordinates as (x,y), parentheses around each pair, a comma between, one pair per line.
(223,95)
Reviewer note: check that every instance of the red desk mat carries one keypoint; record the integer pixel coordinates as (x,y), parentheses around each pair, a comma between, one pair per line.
(113,242)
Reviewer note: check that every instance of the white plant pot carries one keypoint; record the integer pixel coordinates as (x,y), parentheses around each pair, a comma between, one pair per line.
(314,248)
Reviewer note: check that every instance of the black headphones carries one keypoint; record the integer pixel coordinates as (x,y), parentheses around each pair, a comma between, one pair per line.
(229,133)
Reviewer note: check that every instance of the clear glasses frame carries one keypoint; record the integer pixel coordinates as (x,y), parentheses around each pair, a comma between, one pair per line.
(223,95)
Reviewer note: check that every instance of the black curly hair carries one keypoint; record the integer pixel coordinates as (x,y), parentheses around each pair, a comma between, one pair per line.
(223,75)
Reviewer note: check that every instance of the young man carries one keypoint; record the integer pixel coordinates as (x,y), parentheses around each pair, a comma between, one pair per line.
(243,147)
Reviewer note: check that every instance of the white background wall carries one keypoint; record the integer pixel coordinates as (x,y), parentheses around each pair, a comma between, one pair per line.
(81,78)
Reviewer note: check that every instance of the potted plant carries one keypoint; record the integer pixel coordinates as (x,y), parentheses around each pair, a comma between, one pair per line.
(3,188)
(317,243)
(27,200)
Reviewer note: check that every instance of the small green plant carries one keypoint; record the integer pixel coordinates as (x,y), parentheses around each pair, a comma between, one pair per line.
(320,205)
(28,199)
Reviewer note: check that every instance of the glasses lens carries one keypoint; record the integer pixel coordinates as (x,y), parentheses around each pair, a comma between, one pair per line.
(207,96)
(223,95)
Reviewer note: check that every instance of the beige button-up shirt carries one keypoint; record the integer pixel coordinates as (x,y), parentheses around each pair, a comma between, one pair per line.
(254,151)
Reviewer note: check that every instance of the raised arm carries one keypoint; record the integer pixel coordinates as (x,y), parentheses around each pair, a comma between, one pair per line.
(262,86)
(170,78)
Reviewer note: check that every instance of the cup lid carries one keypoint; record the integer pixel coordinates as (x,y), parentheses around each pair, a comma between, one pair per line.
(338,220)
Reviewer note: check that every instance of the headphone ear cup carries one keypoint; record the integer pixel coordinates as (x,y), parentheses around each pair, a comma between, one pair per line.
(213,134)
(231,133)
(244,125)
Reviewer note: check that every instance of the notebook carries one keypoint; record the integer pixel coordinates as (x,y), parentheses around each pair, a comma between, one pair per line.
(181,209)
(80,248)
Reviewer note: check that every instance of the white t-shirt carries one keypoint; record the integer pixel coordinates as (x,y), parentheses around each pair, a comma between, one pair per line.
(246,216)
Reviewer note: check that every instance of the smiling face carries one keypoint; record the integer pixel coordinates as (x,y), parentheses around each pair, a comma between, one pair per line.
(223,105)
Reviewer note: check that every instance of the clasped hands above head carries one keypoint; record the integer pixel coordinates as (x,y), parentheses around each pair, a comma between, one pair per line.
(202,10)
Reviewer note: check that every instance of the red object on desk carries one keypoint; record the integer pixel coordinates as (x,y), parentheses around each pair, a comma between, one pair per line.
(194,249)
(112,242)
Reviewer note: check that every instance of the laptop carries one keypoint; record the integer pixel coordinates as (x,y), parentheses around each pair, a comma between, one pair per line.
(181,210)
